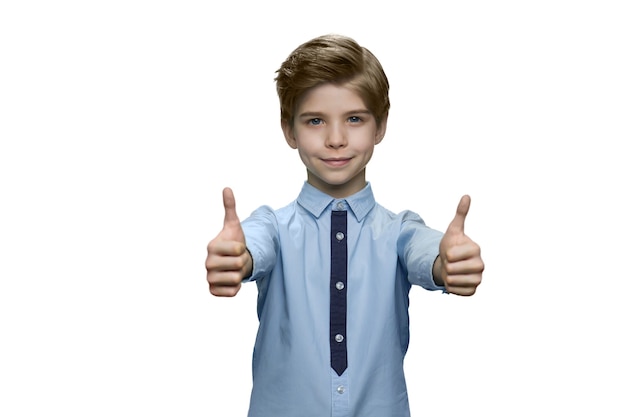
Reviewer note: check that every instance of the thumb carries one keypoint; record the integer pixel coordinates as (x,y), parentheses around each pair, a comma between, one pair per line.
(457,225)
(231,220)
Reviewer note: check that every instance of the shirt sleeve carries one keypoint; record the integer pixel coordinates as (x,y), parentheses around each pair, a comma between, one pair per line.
(418,248)
(262,241)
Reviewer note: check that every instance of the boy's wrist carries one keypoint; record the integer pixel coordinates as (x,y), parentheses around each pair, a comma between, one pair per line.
(249,267)
(437,265)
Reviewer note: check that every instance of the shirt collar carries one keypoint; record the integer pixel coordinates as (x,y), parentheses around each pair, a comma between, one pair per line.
(316,201)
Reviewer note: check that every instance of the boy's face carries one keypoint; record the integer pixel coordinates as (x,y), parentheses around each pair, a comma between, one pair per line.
(335,135)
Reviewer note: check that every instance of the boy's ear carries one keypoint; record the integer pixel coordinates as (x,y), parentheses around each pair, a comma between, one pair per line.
(381,129)
(289,134)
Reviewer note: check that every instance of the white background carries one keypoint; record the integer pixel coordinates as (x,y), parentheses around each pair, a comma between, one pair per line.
(121,122)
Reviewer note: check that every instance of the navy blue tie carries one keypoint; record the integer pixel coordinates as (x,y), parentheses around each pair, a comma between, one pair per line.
(338,290)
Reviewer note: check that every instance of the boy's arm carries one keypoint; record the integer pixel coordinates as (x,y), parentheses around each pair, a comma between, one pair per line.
(228,261)
(459,266)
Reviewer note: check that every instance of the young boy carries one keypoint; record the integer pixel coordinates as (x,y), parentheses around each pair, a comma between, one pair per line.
(334,268)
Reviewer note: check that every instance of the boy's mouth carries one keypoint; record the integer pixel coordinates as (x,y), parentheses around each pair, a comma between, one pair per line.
(336,162)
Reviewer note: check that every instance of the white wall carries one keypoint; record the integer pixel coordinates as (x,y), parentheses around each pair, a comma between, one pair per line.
(121,122)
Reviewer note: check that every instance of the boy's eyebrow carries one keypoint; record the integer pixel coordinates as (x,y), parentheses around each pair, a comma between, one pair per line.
(319,113)
(310,114)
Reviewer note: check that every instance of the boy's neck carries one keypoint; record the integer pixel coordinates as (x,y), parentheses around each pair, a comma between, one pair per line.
(339,190)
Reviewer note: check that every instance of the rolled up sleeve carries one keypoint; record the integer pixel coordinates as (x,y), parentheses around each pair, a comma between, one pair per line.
(262,241)
(418,248)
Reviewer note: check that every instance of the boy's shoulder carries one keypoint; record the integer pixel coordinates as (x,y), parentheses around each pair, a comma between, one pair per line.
(377,213)
(312,203)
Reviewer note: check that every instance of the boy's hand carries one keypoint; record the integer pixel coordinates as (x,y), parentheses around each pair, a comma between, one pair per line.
(228,261)
(460,266)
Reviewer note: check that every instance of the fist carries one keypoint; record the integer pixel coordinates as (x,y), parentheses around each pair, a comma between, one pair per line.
(461,267)
(228,261)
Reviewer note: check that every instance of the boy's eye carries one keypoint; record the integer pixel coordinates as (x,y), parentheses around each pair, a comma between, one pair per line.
(354,119)
(315,121)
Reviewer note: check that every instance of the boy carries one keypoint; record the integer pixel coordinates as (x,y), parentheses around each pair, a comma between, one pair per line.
(334,268)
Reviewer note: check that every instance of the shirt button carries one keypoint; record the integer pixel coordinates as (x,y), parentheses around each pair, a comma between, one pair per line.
(340,205)
(340,236)
(339,338)
(341,389)
(340,285)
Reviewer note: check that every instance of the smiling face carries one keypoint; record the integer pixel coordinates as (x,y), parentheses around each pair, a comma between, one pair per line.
(335,135)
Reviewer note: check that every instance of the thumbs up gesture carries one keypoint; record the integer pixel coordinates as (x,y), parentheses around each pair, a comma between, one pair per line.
(459,266)
(228,261)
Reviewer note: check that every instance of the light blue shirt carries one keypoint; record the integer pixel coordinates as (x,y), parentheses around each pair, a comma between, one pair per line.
(290,248)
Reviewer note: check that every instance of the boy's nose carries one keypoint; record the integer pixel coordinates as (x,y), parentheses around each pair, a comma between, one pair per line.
(336,137)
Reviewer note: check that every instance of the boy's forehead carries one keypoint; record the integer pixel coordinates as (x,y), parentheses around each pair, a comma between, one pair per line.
(329,97)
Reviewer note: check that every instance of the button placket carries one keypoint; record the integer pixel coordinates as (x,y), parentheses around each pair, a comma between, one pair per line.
(338,295)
